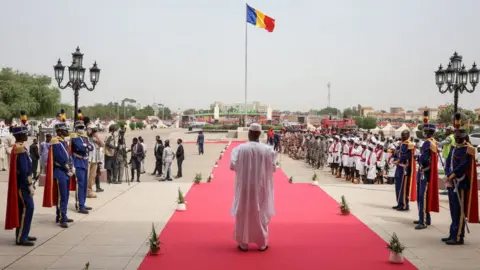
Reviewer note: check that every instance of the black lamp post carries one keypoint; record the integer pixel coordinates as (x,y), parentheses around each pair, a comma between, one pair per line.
(76,76)
(456,77)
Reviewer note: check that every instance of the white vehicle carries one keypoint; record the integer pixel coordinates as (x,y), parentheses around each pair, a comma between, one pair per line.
(475,139)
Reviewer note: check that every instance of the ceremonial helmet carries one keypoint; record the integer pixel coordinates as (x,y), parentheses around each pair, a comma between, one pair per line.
(23,127)
(79,124)
(459,132)
(60,126)
(426,125)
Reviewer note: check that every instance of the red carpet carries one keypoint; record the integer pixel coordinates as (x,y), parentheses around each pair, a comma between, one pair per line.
(306,233)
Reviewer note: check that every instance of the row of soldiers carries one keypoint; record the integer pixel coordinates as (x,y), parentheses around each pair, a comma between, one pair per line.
(66,170)
(369,159)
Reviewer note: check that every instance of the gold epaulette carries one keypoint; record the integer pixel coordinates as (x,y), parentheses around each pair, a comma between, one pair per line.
(54,141)
(82,135)
(433,145)
(73,135)
(411,145)
(471,151)
(19,148)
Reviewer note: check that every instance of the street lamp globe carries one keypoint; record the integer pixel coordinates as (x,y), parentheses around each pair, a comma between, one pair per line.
(73,72)
(463,76)
(81,74)
(456,61)
(474,72)
(59,71)
(94,74)
(449,73)
(77,57)
(440,76)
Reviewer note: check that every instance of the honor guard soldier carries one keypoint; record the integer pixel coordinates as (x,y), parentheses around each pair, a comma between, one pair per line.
(58,173)
(405,174)
(80,147)
(427,179)
(20,205)
(462,186)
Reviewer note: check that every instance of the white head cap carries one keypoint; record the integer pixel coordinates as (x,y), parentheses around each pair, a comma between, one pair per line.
(255,127)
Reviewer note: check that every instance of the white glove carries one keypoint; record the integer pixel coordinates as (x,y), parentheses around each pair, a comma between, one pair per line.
(70,173)
(31,190)
(73,170)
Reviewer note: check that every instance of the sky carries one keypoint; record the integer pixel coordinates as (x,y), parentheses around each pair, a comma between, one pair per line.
(189,53)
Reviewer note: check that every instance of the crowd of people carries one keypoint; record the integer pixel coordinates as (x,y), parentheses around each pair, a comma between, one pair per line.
(412,165)
(72,161)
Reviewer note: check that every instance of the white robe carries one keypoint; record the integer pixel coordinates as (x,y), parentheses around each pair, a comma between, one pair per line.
(392,167)
(336,152)
(361,160)
(330,154)
(371,165)
(253,203)
(345,155)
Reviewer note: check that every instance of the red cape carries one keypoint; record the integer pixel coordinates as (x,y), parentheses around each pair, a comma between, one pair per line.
(471,208)
(11,217)
(413,179)
(433,203)
(73,179)
(50,192)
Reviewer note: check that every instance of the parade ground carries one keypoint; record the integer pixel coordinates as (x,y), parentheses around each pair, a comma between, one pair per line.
(308,231)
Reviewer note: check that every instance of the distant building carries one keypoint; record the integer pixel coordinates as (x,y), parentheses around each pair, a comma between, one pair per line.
(398,113)
(240,106)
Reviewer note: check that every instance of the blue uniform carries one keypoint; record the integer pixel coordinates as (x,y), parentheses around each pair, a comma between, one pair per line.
(61,167)
(80,148)
(402,174)
(25,201)
(456,167)
(423,178)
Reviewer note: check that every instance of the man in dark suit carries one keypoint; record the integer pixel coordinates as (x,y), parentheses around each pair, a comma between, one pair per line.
(180,155)
(136,158)
(158,157)
(35,156)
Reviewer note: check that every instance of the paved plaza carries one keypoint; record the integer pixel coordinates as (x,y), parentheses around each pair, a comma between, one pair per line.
(114,234)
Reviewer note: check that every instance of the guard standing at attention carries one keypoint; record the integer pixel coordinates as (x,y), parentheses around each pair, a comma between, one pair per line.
(19,212)
(427,178)
(405,174)
(58,174)
(462,186)
(80,147)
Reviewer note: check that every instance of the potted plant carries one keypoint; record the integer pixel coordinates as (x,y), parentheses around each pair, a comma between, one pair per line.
(210,177)
(277,164)
(154,242)
(181,203)
(87,266)
(290,180)
(344,209)
(198,178)
(396,249)
(315,179)
(216,164)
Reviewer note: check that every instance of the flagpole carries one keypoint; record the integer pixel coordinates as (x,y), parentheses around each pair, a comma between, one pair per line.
(246,62)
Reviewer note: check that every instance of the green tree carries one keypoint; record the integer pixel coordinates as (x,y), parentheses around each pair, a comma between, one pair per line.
(351,112)
(446,117)
(189,111)
(144,112)
(33,93)
(365,122)
(327,111)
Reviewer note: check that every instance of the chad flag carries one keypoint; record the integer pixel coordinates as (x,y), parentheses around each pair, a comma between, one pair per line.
(259,19)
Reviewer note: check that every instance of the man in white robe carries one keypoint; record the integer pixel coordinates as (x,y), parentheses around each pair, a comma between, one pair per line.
(253,204)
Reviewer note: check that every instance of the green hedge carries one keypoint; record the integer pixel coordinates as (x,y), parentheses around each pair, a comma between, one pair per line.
(220,127)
